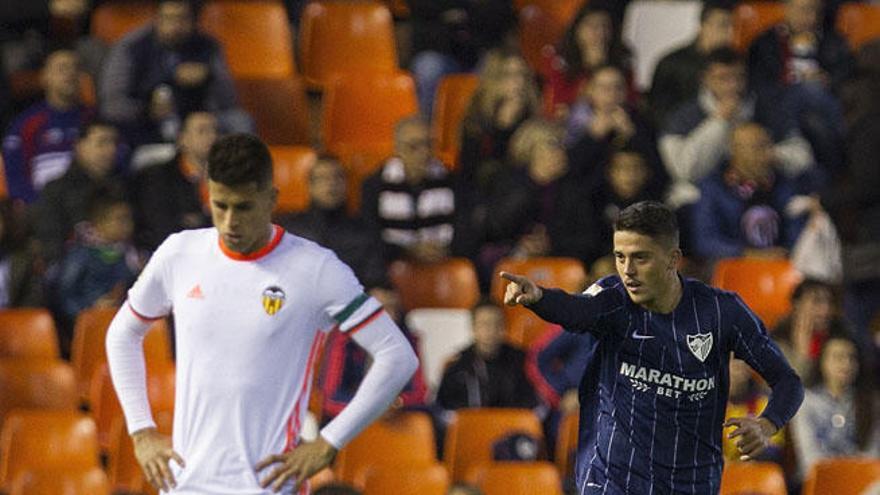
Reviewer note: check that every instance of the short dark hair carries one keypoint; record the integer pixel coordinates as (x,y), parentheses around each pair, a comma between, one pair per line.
(239,159)
(652,219)
(101,200)
(722,56)
(485,302)
(710,6)
(336,489)
(809,285)
(90,125)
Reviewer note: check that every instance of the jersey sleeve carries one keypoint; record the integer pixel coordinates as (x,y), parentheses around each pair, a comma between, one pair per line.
(150,296)
(752,344)
(594,311)
(342,297)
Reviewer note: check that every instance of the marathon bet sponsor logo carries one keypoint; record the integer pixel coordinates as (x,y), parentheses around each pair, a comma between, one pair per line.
(666,384)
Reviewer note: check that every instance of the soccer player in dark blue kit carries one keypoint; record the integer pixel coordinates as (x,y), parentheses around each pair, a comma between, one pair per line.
(654,396)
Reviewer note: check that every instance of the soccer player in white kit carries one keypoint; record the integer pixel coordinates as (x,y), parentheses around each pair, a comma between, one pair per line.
(252,305)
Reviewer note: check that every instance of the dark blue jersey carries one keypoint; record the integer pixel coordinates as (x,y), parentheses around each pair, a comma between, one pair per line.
(654,396)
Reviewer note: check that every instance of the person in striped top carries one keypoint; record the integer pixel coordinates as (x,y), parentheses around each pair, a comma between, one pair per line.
(252,306)
(653,397)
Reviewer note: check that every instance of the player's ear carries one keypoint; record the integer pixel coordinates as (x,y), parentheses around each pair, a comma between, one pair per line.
(274,197)
(674,259)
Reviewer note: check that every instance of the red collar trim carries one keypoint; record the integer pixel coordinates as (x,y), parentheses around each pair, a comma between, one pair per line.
(277,234)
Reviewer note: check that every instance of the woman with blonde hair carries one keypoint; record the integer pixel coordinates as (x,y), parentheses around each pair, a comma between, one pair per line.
(506,96)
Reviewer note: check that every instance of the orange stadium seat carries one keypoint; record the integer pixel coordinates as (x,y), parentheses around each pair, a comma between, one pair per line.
(430,479)
(62,482)
(105,408)
(36,383)
(542,26)
(471,435)
(122,466)
(764,284)
(750,19)
(255,35)
(279,106)
(566,444)
(359,116)
(33,439)
(859,23)
(345,37)
(842,476)
(450,105)
(291,175)
(759,478)
(88,352)
(517,478)
(405,440)
(447,284)
(27,332)
(523,327)
(113,20)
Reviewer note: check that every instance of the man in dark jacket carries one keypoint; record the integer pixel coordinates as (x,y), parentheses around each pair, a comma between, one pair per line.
(158,74)
(168,197)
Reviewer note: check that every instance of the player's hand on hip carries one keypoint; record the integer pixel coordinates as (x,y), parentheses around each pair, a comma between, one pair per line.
(754,435)
(153,452)
(520,290)
(299,464)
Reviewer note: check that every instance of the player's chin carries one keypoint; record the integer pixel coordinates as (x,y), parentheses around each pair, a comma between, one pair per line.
(638,294)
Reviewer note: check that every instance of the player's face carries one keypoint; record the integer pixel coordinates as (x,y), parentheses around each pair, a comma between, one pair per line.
(646,267)
(242,214)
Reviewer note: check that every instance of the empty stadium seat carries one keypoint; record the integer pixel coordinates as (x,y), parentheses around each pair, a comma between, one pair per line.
(430,479)
(62,482)
(291,175)
(566,444)
(37,383)
(345,37)
(27,332)
(446,284)
(450,104)
(764,284)
(406,440)
(113,20)
(842,476)
(542,25)
(88,349)
(859,23)
(517,478)
(473,432)
(255,35)
(759,478)
(750,19)
(104,402)
(35,439)
(280,108)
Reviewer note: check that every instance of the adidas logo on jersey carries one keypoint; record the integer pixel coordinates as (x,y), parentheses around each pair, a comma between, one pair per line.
(195,293)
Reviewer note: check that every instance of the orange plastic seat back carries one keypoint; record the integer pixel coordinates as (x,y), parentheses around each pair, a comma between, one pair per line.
(541,29)
(763,478)
(450,105)
(408,439)
(62,482)
(750,19)
(345,37)
(518,478)
(122,466)
(255,35)
(566,444)
(471,435)
(27,333)
(280,108)
(88,349)
(842,476)
(859,23)
(447,284)
(765,285)
(430,479)
(291,175)
(34,439)
(523,327)
(113,20)
(36,384)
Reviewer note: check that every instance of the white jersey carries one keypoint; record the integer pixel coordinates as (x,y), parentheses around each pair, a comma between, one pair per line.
(248,329)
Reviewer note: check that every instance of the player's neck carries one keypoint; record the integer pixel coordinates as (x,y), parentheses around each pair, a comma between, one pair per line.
(669,299)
